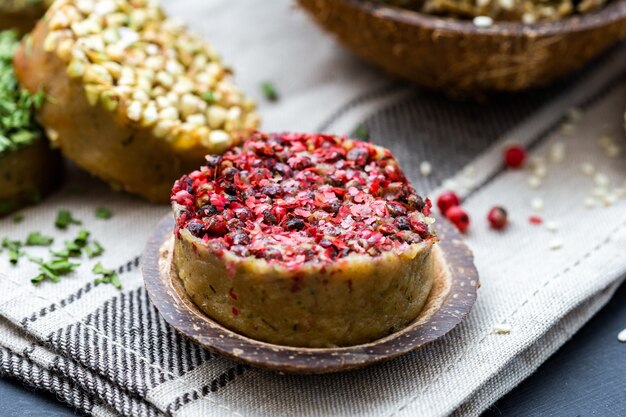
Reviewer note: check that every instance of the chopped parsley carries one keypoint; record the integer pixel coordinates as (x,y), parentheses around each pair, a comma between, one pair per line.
(37,239)
(17,122)
(64,219)
(52,270)
(269,91)
(93,250)
(74,248)
(18,218)
(108,276)
(13,248)
(103,213)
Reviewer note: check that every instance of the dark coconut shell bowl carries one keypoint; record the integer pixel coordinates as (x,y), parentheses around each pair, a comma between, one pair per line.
(455,56)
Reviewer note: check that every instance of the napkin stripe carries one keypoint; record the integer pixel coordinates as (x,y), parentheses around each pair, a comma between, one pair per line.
(220,382)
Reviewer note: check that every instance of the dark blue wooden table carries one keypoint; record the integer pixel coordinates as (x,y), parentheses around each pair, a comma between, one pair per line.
(587,377)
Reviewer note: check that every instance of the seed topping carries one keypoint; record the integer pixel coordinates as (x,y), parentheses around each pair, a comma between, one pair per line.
(297,198)
(134,60)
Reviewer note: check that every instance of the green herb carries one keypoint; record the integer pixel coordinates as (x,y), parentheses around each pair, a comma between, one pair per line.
(208,96)
(18,218)
(37,239)
(103,213)
(269,91)
(108,276)
(64,219)
(93,250)
(362,133)
(74,248)
(13,248)
(52,270)
(17,123)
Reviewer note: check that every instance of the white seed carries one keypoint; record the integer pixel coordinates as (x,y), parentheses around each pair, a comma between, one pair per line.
(506,4)
(450,185)
(601,180)
(469,170)
(163,128)
(426,168)
(552,226)
(609,199)
(540,170)
(537,204)
(587,168)
(557,152)
(621,336)
(534,182)
(150,115)
(134,111)
(196,119)
(165,79)
(482,21)
(169,113)
(502,328)
(529,18)
(216,116)
(188,104)
(556,244)
(219,138)
(590,202)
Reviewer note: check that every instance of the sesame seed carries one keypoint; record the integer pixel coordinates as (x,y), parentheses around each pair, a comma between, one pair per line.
(556,244)
(482,21)
(426,168)
(537,204)
(149,64)
(534,182)
(552,226)
(587,168)
(601,179)
(557,152)
(502,328)
(590,202)
(621,336)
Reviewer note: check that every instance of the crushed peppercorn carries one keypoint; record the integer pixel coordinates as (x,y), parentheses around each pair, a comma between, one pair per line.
(300,198)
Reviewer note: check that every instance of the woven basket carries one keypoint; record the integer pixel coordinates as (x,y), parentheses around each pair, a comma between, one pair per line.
(455,56)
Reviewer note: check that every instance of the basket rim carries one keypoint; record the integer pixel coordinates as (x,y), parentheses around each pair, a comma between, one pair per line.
(610,13)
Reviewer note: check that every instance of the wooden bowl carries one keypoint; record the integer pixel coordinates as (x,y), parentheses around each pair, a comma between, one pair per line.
(450,301)
(455,56)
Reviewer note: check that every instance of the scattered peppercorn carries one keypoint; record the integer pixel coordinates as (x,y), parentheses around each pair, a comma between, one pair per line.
(446,200)
(458,217)
(535,219)
(514,156)
(329,197)
(497,218)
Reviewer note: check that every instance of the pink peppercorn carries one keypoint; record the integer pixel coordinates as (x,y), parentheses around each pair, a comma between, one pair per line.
(446,200)
(458,217)
(514,156)
(497,218)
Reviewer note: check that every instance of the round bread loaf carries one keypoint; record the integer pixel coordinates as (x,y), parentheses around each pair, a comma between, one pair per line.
(135,98)
(304,240)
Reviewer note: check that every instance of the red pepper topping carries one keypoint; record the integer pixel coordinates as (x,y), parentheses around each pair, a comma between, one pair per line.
(514,156)
(458,217)
(446,200)
(497,218)
(298,198)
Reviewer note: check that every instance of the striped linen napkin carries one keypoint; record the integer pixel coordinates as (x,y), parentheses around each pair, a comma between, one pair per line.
(107,352)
